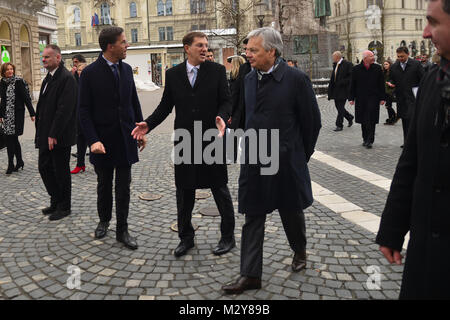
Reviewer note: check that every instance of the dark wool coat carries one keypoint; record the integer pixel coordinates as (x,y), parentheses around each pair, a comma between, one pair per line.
(419,200)
(339,88)
(56,110)
(22,99)
(367,90)
(108,113)
(282,100)
(209,98)
(237,98)
(404,81)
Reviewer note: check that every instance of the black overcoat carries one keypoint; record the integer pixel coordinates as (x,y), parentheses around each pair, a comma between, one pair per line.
(237,98)
(56,110)
(418,201)
(108,113)
(339,87)
(284,101)
(22,99)
(404,81)
(209,98)
(367,90)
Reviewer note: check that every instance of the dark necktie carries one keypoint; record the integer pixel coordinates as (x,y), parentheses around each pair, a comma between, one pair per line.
(116,73)
(46,81)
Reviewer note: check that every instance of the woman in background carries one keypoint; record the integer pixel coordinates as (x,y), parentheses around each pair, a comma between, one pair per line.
(14,94)
(392,116)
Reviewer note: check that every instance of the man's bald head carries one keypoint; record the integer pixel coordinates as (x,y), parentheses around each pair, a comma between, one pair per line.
(337,55)
(368,57)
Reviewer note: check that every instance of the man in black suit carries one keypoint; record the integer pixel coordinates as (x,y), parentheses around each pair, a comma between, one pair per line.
(56,131)
(405,76)
(108,109)
(367,90)
(199,91)
(339,88)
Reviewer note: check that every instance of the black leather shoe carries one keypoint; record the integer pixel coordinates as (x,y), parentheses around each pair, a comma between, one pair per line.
(10,169)
(59,214)
(242,284)
(49,210)
(369,146)
(224,247)
(350,122)
(101,230)
(19,165)
(127,240)
(183,248)
(299,261)
(338,129)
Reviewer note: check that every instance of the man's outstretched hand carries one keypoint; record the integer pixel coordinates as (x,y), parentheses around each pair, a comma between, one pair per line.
(391,255)
(140,131)
(220,124)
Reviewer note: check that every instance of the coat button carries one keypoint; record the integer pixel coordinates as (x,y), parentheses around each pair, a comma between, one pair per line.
(435,235)
(437,190)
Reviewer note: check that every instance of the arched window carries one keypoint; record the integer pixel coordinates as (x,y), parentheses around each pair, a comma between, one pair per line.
(168,7)
(76,15)
(105,16)
(160,7)
(133,10)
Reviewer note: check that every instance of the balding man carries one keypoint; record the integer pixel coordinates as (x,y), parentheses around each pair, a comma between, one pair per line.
(339,88)
(368,91)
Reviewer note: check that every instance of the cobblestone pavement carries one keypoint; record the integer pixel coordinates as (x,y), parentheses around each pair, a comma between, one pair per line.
(35,254)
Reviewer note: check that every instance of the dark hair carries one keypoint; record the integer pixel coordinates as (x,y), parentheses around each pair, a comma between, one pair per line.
(189,38)
(210,50)
(54,47)
(6,65)
(245,41)
(289,60)
(403,49)
(109,35)
(446,4)
(79,57)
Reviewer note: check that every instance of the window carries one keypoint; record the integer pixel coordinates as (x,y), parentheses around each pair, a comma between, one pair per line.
(339,9)
(133,10)
(202,6)
(420,24)
(160,7)
(203,27)
(105,17)
(379,3)
(169,33)
(194,27)
(168,8)
(162,33)
(403,23)
(134,35)
(76,15)
(403,4)
(78,39)
(194,6)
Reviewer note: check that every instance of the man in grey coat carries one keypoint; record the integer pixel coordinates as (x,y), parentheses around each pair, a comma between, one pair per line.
(281,100)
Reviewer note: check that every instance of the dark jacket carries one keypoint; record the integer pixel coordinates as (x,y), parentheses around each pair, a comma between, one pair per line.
(282,100)
(389,90)
(418,201)
(367,90)
(237,98)
(404,81)
(205,101)
(108,113)
(339,86)
(55,111)
(22,99)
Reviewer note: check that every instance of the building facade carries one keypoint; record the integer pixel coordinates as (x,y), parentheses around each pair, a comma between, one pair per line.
(379,25)
(19,37)
(48,30)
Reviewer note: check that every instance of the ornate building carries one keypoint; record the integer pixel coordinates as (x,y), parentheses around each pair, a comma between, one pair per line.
(19,37)
(379,25)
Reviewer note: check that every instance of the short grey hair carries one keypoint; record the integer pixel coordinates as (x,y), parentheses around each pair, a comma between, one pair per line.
(271,39)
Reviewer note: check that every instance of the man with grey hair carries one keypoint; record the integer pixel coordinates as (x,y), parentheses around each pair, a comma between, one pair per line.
(368,91)
(281,100)
(339,88)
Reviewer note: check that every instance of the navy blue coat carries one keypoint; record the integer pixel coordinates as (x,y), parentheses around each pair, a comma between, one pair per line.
(285,101)
(108,113)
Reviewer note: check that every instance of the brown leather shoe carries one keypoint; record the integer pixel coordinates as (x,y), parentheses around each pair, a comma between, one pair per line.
(242,284)
(299,261)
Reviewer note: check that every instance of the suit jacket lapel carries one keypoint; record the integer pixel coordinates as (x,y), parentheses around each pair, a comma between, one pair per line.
(201,74)
(184,76)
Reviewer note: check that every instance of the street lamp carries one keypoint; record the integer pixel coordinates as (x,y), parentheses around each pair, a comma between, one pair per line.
(260,9)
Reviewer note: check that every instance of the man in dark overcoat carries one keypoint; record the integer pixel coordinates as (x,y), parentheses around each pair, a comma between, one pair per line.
(280,99)
(339,88)
(199,91)
(56,131)
(418,201)
(405,76)
(367,91)
(109,107)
